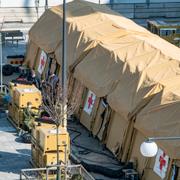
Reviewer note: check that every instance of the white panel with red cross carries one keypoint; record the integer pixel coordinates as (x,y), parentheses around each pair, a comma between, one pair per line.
(161,163)
(90,100)
(42,62)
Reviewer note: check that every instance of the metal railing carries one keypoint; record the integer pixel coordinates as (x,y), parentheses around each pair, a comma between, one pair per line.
(4,89)
(70,172)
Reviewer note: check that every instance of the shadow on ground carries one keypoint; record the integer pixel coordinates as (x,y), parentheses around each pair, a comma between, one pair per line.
(9,161)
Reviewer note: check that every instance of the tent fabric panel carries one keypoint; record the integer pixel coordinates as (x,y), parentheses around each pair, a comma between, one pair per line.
(145,165)
(32,51)
(98,72)
(46,32)
(161,118)
(98,122)
(116,133)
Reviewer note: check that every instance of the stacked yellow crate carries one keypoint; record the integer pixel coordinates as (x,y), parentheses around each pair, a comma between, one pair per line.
(13,86)
(35,140)
(48,144)
(21,95)
(44,144)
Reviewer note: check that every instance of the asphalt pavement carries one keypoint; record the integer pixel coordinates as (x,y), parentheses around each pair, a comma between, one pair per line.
(14,154)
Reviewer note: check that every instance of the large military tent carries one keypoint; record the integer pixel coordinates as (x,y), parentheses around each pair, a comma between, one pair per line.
(117,61)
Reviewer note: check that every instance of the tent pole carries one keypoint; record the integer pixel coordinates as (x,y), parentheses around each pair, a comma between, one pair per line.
(1,61)
(64,68)
(46,4)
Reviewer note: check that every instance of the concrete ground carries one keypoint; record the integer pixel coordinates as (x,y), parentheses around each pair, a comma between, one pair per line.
(14,155)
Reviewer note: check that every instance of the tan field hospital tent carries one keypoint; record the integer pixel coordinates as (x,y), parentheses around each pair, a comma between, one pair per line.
(129,77)
(121,66)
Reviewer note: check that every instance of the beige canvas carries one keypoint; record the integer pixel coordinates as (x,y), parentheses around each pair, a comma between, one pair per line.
(101,122)
(161,118)
(145,165)
(32,50)
(116,133)
(99,119)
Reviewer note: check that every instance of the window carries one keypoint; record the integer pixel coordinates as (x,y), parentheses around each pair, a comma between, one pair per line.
(162,32)
(178,31)
(167,31)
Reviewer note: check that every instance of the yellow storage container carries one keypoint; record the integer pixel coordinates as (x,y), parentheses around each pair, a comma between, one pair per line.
(48,139)
(50,158)
(13,86)
(43,159)
(22,96)
(18,116)
(37,126)
(46,159)
(35,154)
(11,110)
(15,113)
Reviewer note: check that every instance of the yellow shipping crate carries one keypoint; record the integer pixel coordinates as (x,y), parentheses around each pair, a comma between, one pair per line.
(18,116)
(15,113)
(13,86)
(22,96)
(11,110)
(35,154)
(37,126)
(46,159)
(48,139)
(50,158)
(43,159)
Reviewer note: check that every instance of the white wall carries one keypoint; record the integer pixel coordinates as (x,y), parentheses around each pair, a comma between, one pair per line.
(28,3)
(143,1)
(154,1)
(31,3)
(129,1)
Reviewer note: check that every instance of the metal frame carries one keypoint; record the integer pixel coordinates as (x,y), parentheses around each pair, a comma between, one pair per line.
(1,61)
(4,88)
(82,170)
(163,138)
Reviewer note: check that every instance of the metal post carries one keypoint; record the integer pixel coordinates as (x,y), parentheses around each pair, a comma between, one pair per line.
(64,69)
(1,62)
(46,4)
(164,138)
(37,8)
(47,173)
(65,159)
(58,167)
(21,175)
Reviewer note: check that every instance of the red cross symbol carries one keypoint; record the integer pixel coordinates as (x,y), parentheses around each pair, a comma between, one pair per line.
(90,101)
(162,161)
(42,62)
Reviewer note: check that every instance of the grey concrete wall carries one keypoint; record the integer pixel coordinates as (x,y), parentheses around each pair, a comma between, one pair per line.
(27,3)
(147,10)
(131,10)
(19,14)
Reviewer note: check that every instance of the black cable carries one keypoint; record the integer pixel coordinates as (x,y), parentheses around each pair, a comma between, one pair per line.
(85,148)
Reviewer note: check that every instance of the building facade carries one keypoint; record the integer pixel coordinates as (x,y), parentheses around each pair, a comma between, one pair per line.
(28,11)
